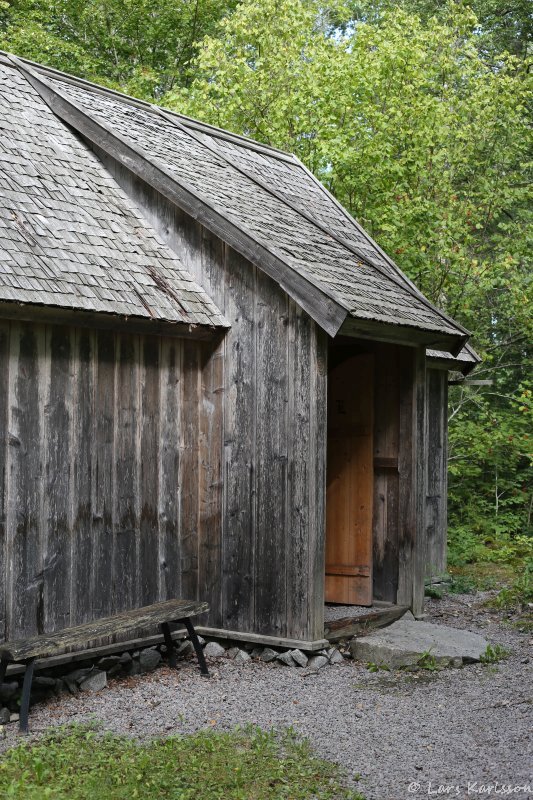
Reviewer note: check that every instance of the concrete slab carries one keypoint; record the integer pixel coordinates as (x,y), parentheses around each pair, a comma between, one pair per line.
(404,642)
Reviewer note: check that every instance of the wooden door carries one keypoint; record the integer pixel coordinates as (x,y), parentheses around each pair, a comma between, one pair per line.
(350,482)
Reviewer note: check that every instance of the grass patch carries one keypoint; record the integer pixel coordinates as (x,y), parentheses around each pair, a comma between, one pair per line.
(80,763)
(494,654)
(483,575)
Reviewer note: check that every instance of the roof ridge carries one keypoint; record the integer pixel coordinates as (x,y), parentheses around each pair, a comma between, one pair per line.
(298,210)
(266,187)
(223,133)
(405,284)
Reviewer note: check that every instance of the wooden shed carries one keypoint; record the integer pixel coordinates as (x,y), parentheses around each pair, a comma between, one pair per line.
(215,384)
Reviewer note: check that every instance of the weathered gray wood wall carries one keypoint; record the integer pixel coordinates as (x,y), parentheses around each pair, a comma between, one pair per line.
(272,464)
(104,477)
(437,472)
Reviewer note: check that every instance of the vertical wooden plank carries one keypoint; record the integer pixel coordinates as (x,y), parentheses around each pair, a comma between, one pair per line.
(317,483)
(210,465)
(125,572)
(25,609)
(169,454)
(238,554)
(419,468)
(436,481)
(412,461)
(189,470)
(271,454)
(407,476)
(386,436)
(211,270)
(211,438)
(149,470)
(57,452)
(83,552)
(443,534)
(103,468)
(4,439)
(300,465)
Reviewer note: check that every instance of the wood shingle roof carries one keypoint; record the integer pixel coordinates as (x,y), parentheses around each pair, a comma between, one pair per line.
(69,236)
(261,201)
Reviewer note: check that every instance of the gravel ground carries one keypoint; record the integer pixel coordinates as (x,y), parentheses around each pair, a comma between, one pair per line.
(332,612)
(406,734)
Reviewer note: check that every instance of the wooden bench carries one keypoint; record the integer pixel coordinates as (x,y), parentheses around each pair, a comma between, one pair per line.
(25,651)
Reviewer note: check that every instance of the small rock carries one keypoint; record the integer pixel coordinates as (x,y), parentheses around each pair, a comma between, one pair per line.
(94,682)
(242,657)
(134,668)
(125,658)
(299,657)
(5,716)
(336,657)
(257,651)
(114,670)
(201,640)
(78,675)
(185,648)
(8,690)
(214,650)
(317,662)
(232,652)
(41,682)
(71,685)
(14,717)
(149,660)
(268,655)
(287,659)
(107,662)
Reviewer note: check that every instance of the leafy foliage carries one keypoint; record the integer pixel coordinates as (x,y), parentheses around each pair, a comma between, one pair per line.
(144,47)
(426,141)
(404,122)
(80,764)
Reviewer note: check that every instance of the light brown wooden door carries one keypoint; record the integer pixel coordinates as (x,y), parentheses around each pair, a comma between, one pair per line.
(350,482)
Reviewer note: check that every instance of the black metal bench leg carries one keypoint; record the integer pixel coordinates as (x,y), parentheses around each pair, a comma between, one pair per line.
(3,668)
(26,691)
(171,648)
(196,644)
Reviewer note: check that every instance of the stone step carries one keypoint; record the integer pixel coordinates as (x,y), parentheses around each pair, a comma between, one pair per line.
(406,641)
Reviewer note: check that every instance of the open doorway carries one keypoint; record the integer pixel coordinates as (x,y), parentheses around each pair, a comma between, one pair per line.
(349,497)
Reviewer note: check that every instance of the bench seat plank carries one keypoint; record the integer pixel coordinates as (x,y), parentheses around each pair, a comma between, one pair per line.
(49,644)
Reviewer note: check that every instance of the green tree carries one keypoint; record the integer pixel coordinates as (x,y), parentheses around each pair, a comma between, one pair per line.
(427,143)
(502,26)
(145,47)
(407,125)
